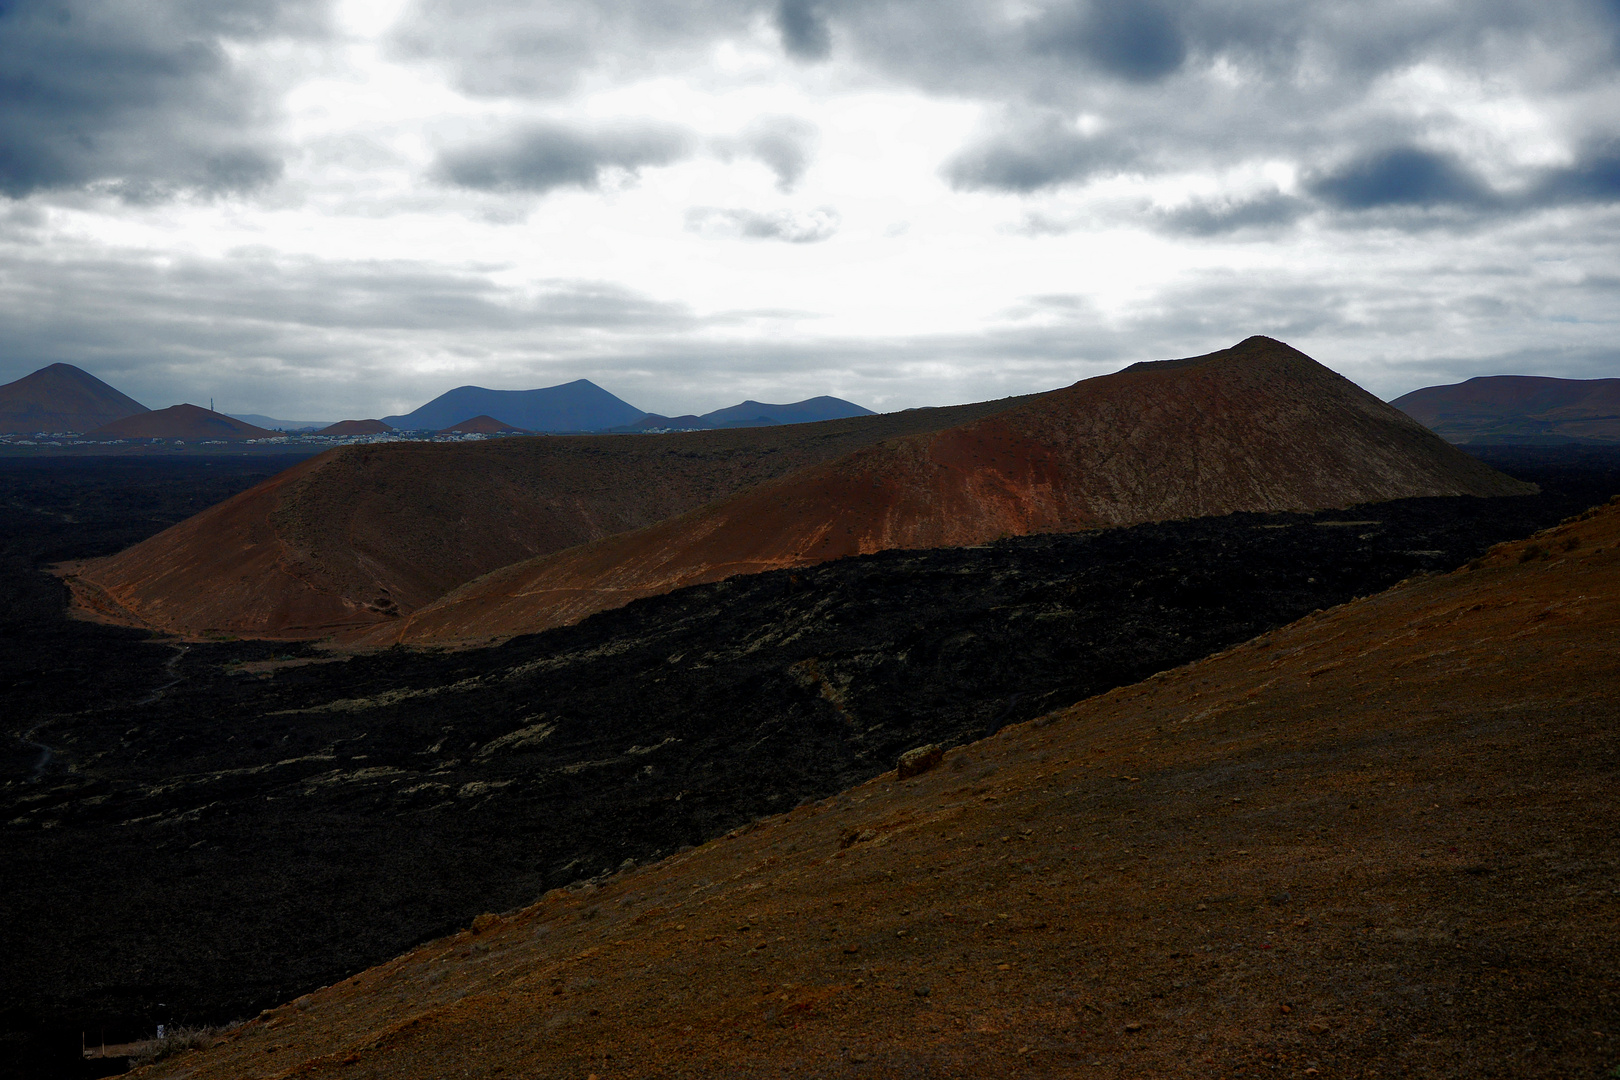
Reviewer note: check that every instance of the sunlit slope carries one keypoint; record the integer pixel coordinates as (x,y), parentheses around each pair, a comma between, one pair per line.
(1259,427)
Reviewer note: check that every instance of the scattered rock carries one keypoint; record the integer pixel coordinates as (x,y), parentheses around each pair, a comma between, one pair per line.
(918,761)
(485,922)
(1134,1025)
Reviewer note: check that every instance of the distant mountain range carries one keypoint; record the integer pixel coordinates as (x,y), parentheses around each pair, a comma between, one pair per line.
(61,398)
(583,406)
(260,420)
(1525,409)
(577,406)
(754,414)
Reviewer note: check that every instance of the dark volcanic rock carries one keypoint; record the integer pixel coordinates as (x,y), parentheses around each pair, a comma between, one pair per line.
(222,826)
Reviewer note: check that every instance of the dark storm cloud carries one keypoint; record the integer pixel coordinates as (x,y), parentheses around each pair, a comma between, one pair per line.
(1076,90)
(1028,155)
(1402,176)
(1408,178)
(804,29)
(541,157)
(1595,177)
(1140,42)
(140,98)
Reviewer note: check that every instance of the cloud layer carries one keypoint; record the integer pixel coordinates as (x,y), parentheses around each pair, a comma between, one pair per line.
(540,157)
(141,98)
(907,199)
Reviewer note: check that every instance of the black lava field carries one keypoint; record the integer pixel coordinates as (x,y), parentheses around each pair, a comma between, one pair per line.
(195,832)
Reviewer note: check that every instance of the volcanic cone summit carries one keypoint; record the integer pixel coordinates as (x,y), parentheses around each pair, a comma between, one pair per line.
(181,422)
(1257,427)
(62,397)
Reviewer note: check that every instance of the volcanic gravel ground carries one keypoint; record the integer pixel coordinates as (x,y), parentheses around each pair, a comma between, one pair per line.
(220,826)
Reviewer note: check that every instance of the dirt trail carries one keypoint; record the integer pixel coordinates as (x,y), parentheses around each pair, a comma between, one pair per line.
(1377,842)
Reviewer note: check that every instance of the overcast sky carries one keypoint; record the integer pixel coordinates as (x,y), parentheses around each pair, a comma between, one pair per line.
(319,210)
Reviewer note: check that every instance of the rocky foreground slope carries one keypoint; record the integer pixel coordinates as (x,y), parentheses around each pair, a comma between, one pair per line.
(1258,427)
(1376,842)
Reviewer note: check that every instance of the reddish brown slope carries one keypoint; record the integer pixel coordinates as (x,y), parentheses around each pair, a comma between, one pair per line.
(232,544)
(480,425)
(356,427)
(62,397)
(1259,426)
(1497,408)
(181,422)
(1377,843)
(359,535)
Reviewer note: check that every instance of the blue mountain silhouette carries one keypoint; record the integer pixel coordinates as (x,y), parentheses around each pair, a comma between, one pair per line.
(758,414)
(577,406)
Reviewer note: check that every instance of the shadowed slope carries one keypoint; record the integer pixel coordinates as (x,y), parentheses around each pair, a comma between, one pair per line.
(1377,842)
(1519,408)
(362,534)
(1258,427)
(62,397)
